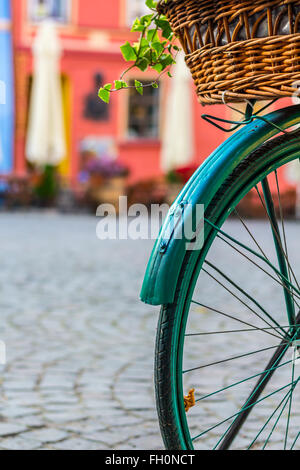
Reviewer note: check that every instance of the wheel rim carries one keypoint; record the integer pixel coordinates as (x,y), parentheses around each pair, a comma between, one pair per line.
(225,443)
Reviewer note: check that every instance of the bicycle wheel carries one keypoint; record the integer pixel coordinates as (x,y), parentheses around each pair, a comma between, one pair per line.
(232,332)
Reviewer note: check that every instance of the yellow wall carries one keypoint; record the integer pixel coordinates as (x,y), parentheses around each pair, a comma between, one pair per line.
(65,165)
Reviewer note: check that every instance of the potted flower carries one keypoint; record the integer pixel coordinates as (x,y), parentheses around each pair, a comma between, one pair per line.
(107,179)
(176,179)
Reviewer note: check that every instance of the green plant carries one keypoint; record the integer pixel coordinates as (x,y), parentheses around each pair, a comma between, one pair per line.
(47,188)
(156,49)
(173,177)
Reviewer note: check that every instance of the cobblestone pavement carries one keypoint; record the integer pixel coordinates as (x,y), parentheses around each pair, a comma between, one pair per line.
(80,343)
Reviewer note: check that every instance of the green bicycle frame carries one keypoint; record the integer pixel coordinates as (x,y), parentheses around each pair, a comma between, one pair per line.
(169,251)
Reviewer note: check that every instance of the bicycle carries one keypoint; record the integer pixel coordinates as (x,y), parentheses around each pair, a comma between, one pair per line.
(211,392)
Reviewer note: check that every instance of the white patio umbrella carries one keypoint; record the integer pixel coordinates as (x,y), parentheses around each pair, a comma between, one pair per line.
(178,134)
(46,134)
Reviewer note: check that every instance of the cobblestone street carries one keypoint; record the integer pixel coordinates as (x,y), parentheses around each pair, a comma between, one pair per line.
(80,344)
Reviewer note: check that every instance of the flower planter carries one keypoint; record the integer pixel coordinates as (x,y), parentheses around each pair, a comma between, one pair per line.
(109,191)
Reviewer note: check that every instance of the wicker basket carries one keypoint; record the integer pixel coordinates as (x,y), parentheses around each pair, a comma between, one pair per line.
(237,49)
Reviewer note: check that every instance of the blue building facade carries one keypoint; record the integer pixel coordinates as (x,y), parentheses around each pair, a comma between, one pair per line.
(6,89)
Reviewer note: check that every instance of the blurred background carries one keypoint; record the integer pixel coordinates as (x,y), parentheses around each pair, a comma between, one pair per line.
(79,343)
(131,146)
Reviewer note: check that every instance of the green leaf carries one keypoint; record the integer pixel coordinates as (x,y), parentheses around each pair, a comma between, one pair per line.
(128,52)
(144,43)
(152,35)
(151,4)
(157,67)
(154,85)
(139,87)
(165,27)
(137,26)
(104,95)
(158,47)
(166,60)
(146,20)
(120,84)
(142,64)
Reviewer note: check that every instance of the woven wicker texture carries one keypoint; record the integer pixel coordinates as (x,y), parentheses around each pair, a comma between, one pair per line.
(239,50)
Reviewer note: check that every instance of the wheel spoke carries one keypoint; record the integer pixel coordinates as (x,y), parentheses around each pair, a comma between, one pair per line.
(296,439)
(230,433)
(277,420)
(262,269)
(242,302)
(277,236)
(241,381)
(233,358)
(245,330)
(284,237)
(239,412)
(290,403)
(282,403)
(291,272)
(246,295)
(242,245)
(283,261)
(251,235)
(236,319)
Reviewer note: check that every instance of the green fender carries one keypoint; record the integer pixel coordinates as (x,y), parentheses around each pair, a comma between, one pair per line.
(169,250)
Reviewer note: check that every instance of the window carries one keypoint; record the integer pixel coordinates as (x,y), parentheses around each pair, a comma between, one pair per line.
(136,8)
(143,113)
(58,10)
